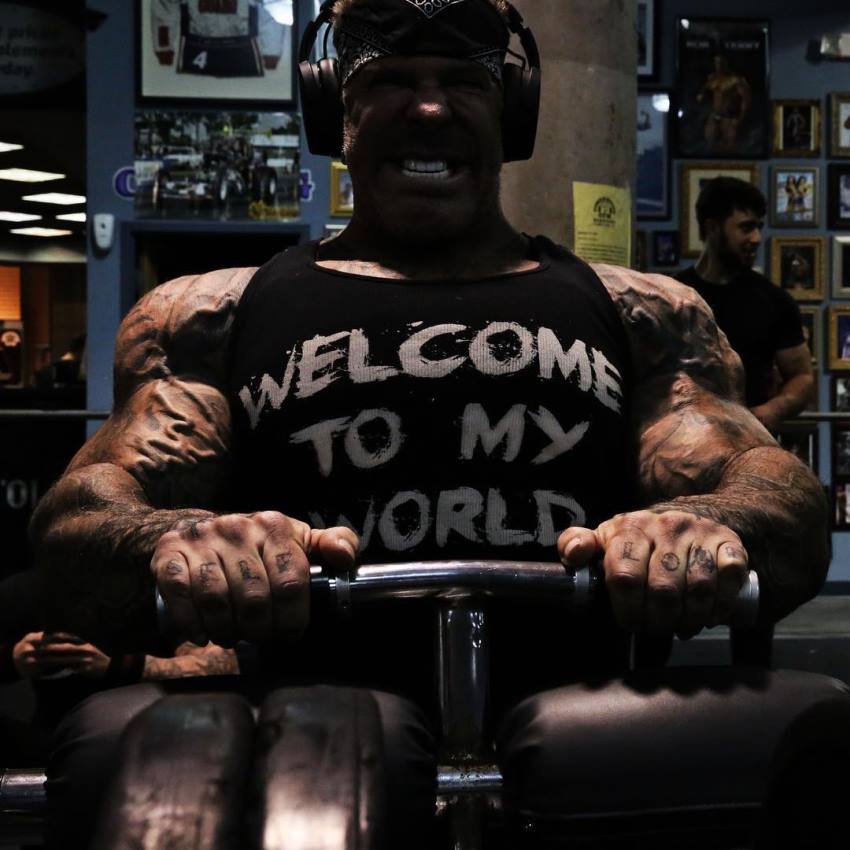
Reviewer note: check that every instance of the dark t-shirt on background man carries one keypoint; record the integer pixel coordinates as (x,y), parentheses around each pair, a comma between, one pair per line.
(758,318)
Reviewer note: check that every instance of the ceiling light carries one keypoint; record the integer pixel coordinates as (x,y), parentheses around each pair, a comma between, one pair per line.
(56,198)
(28,175)
(80,216)
(5,215)
(39,231)
(10,146)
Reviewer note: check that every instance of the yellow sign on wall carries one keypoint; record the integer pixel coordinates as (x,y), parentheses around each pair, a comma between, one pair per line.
(603,223)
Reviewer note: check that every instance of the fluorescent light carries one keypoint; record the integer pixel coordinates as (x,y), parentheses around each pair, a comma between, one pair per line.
(5,215)
(28,175)
(80,216)
(56,198)
(39,231)
(10,146)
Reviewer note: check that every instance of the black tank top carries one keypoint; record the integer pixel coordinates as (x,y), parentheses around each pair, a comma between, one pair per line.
(439,419)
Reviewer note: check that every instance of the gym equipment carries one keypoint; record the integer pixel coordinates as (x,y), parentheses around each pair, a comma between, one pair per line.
(468,781)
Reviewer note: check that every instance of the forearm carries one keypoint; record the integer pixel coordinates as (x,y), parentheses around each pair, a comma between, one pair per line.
(93,534)
(778,508)
(207,661)
(791,399)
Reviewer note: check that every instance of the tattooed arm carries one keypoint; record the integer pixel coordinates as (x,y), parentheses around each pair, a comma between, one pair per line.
(718,492)
(192,660)
(142,493)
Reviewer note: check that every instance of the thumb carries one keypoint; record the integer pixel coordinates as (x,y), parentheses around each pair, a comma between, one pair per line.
(337,547)
(577,546)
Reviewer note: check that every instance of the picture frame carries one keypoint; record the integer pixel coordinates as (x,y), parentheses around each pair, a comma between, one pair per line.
(342,192)
(812,325)
(839,394)
(841,266)
(838,319)
(721,95)
(232,53)
(841,506)
(647,20)
(839,110)
(666,249)
(693,176)
(841,450)
(796,128)
(797,265)
(801,439)
(331,231)
(838,196)
(794,196)
(653,156)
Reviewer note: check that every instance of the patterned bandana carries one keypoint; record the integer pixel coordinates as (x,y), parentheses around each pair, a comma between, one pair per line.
(464,29)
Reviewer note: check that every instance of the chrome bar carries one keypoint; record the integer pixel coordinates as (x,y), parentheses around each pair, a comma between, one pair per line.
(22,790)
(474,779)
(463,670)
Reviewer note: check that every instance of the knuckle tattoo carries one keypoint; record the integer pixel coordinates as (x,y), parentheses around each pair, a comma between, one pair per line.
(628,547)
(671,562)
(207,573)
(282,561)
(701,561)
(247,573)
(173,569)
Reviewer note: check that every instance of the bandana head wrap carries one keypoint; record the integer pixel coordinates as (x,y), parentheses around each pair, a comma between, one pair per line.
(463,29)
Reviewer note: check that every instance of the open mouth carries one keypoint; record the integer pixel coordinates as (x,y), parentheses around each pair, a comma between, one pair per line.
(428,169)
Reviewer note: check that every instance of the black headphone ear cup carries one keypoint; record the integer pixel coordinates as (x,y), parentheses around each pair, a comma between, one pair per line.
(321,106)
(521,94)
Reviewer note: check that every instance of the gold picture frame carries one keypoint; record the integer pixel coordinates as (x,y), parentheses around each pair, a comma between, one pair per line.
(839,108)
(797,128)
(694,175)
(798,265)
(812,325)
(342,192)
(839,337)
(841,266)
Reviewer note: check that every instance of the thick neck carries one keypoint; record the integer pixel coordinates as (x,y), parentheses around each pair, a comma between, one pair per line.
(490,248)
(711,267)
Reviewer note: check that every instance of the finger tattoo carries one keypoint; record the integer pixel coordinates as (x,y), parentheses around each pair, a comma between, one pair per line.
(701,560)
(207,569)
(247,573)
(282,560)
(670,562)
(173,568)
(733,551)
(627,551)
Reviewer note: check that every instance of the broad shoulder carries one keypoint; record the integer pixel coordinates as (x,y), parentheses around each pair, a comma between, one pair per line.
(671,330)
(179,327)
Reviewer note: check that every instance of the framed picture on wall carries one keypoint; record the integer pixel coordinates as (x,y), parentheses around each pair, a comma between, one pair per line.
(653,156)
(841,266)
(647,45)
(797,265)
(694,176)
(839,337)
(838,197)
(839,395)
(666,249)
(839,108)
(811,317)
(229,51)
(796,128)
(841,506)
(342,192)
(841,449)
(801,439)
(794,196)
(721,98)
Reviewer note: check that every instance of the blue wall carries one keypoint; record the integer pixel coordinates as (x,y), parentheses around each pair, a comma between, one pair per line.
(793,26)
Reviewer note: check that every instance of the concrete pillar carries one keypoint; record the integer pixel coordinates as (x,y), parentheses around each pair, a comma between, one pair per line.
(588,110)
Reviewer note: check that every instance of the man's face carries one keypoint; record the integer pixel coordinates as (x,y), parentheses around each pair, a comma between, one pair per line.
(738,239)
(423,144)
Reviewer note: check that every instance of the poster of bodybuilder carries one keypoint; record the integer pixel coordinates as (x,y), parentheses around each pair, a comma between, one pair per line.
(238,50)
(217,165)
(722,106)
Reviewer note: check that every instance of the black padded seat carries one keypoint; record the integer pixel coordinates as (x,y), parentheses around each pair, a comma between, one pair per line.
(695,743)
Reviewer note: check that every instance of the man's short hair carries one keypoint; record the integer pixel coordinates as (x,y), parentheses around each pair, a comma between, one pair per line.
(720,197)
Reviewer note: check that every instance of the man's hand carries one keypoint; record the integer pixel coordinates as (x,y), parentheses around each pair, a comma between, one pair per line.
(244,576)
(667,571)
(39,654)
(768,415)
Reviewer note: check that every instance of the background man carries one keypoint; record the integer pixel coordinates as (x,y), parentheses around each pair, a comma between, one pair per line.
(761,321)
(441,383)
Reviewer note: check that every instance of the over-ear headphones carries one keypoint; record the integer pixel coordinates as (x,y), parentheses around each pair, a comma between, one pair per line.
(321,93)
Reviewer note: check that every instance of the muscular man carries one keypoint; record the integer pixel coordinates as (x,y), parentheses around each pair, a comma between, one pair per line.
(431,383)
(731,98)
(761,321)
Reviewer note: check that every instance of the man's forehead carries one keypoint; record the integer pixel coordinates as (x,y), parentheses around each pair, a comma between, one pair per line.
(424,63)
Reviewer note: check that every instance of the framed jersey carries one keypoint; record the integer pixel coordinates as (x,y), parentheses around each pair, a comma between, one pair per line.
(227,51)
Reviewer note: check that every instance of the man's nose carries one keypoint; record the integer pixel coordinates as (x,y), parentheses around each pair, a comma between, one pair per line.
(430,104)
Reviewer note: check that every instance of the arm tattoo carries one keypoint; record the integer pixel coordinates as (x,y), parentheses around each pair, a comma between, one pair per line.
(195,661)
